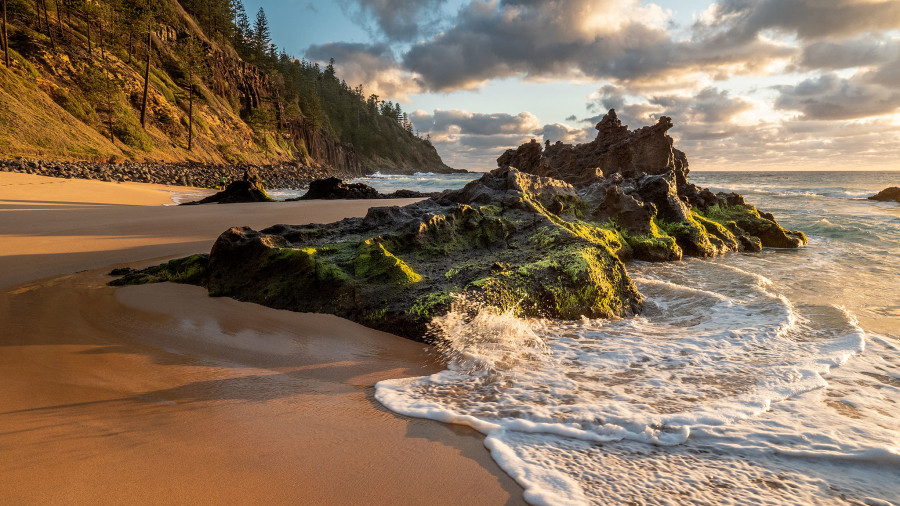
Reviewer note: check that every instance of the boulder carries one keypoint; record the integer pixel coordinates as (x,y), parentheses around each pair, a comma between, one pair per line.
(250,188)
(334,188)
(887,195)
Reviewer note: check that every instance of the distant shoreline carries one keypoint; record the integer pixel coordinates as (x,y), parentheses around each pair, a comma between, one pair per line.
(191,174)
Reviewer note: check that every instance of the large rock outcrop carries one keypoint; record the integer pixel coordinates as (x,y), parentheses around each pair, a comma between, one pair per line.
(891,194)
(616,149)
(508,239)
(637,182)
(514,239)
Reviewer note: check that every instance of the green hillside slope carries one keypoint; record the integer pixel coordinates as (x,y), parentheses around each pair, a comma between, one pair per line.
(75,90)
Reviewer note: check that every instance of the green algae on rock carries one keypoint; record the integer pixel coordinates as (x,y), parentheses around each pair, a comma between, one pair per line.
(190,270)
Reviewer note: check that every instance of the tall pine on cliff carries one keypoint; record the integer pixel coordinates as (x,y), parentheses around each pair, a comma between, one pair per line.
(74,89)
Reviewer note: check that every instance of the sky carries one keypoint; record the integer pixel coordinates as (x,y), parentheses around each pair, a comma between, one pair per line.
(749,84)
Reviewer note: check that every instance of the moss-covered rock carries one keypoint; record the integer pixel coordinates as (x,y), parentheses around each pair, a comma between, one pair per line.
(653,246)
(191,270)
(509,240)
(747,221)
(374,263)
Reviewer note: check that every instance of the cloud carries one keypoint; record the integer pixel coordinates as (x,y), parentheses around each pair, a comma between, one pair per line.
(548,38)
(631,41)
(710,105)
(560,132)
(396,20)
(831,97)
(484,124)
(836,63)
(849,53)
(373,65)
(474,140)
(720,131)
(745,20)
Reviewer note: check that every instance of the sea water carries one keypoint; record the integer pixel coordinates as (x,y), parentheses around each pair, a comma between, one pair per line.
(769,377)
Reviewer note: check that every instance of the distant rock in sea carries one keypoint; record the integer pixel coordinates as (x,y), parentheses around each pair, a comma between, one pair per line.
(544,235)
(333,188)
(891,194)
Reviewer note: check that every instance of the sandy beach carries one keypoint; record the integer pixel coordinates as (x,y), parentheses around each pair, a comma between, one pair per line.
(159,394)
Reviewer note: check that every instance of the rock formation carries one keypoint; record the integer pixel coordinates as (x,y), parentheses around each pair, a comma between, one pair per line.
(637,181)
(616,149)
(509,239)
(887,195)
(333,188)
(516,238)
(250,188)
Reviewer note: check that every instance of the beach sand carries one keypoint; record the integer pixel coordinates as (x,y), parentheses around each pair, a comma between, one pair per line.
(161,394)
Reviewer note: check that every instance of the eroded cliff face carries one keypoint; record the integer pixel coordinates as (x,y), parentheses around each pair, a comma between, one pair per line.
(253,87)
(328,151)
(232,75)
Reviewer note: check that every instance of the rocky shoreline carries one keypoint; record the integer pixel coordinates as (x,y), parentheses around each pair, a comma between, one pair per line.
(284,175)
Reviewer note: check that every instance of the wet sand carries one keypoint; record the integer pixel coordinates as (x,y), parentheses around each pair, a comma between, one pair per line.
(160,394)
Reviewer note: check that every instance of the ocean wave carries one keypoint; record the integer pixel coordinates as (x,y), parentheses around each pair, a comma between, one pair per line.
(724,350)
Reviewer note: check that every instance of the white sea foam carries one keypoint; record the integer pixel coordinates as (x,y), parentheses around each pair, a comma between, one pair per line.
(748,378)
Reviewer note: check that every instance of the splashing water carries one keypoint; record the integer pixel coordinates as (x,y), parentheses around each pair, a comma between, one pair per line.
(750,377)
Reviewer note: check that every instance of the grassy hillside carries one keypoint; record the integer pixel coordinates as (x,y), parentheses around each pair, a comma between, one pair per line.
(75,88)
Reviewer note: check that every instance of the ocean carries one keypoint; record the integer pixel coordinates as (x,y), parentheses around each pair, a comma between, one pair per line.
(769,377)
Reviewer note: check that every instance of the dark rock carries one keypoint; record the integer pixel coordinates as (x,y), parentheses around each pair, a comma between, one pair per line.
(661,190)
(334,188)
(189,270)
(887,195)
(249,189)
(408,194)
(616,149)
(638,181)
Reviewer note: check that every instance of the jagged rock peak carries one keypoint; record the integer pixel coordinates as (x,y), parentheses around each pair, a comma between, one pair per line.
(647,150)
(610,128)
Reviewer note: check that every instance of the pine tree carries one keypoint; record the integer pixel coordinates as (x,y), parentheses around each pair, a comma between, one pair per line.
(5,37)
(242,28)
(192,54)
(262,39)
